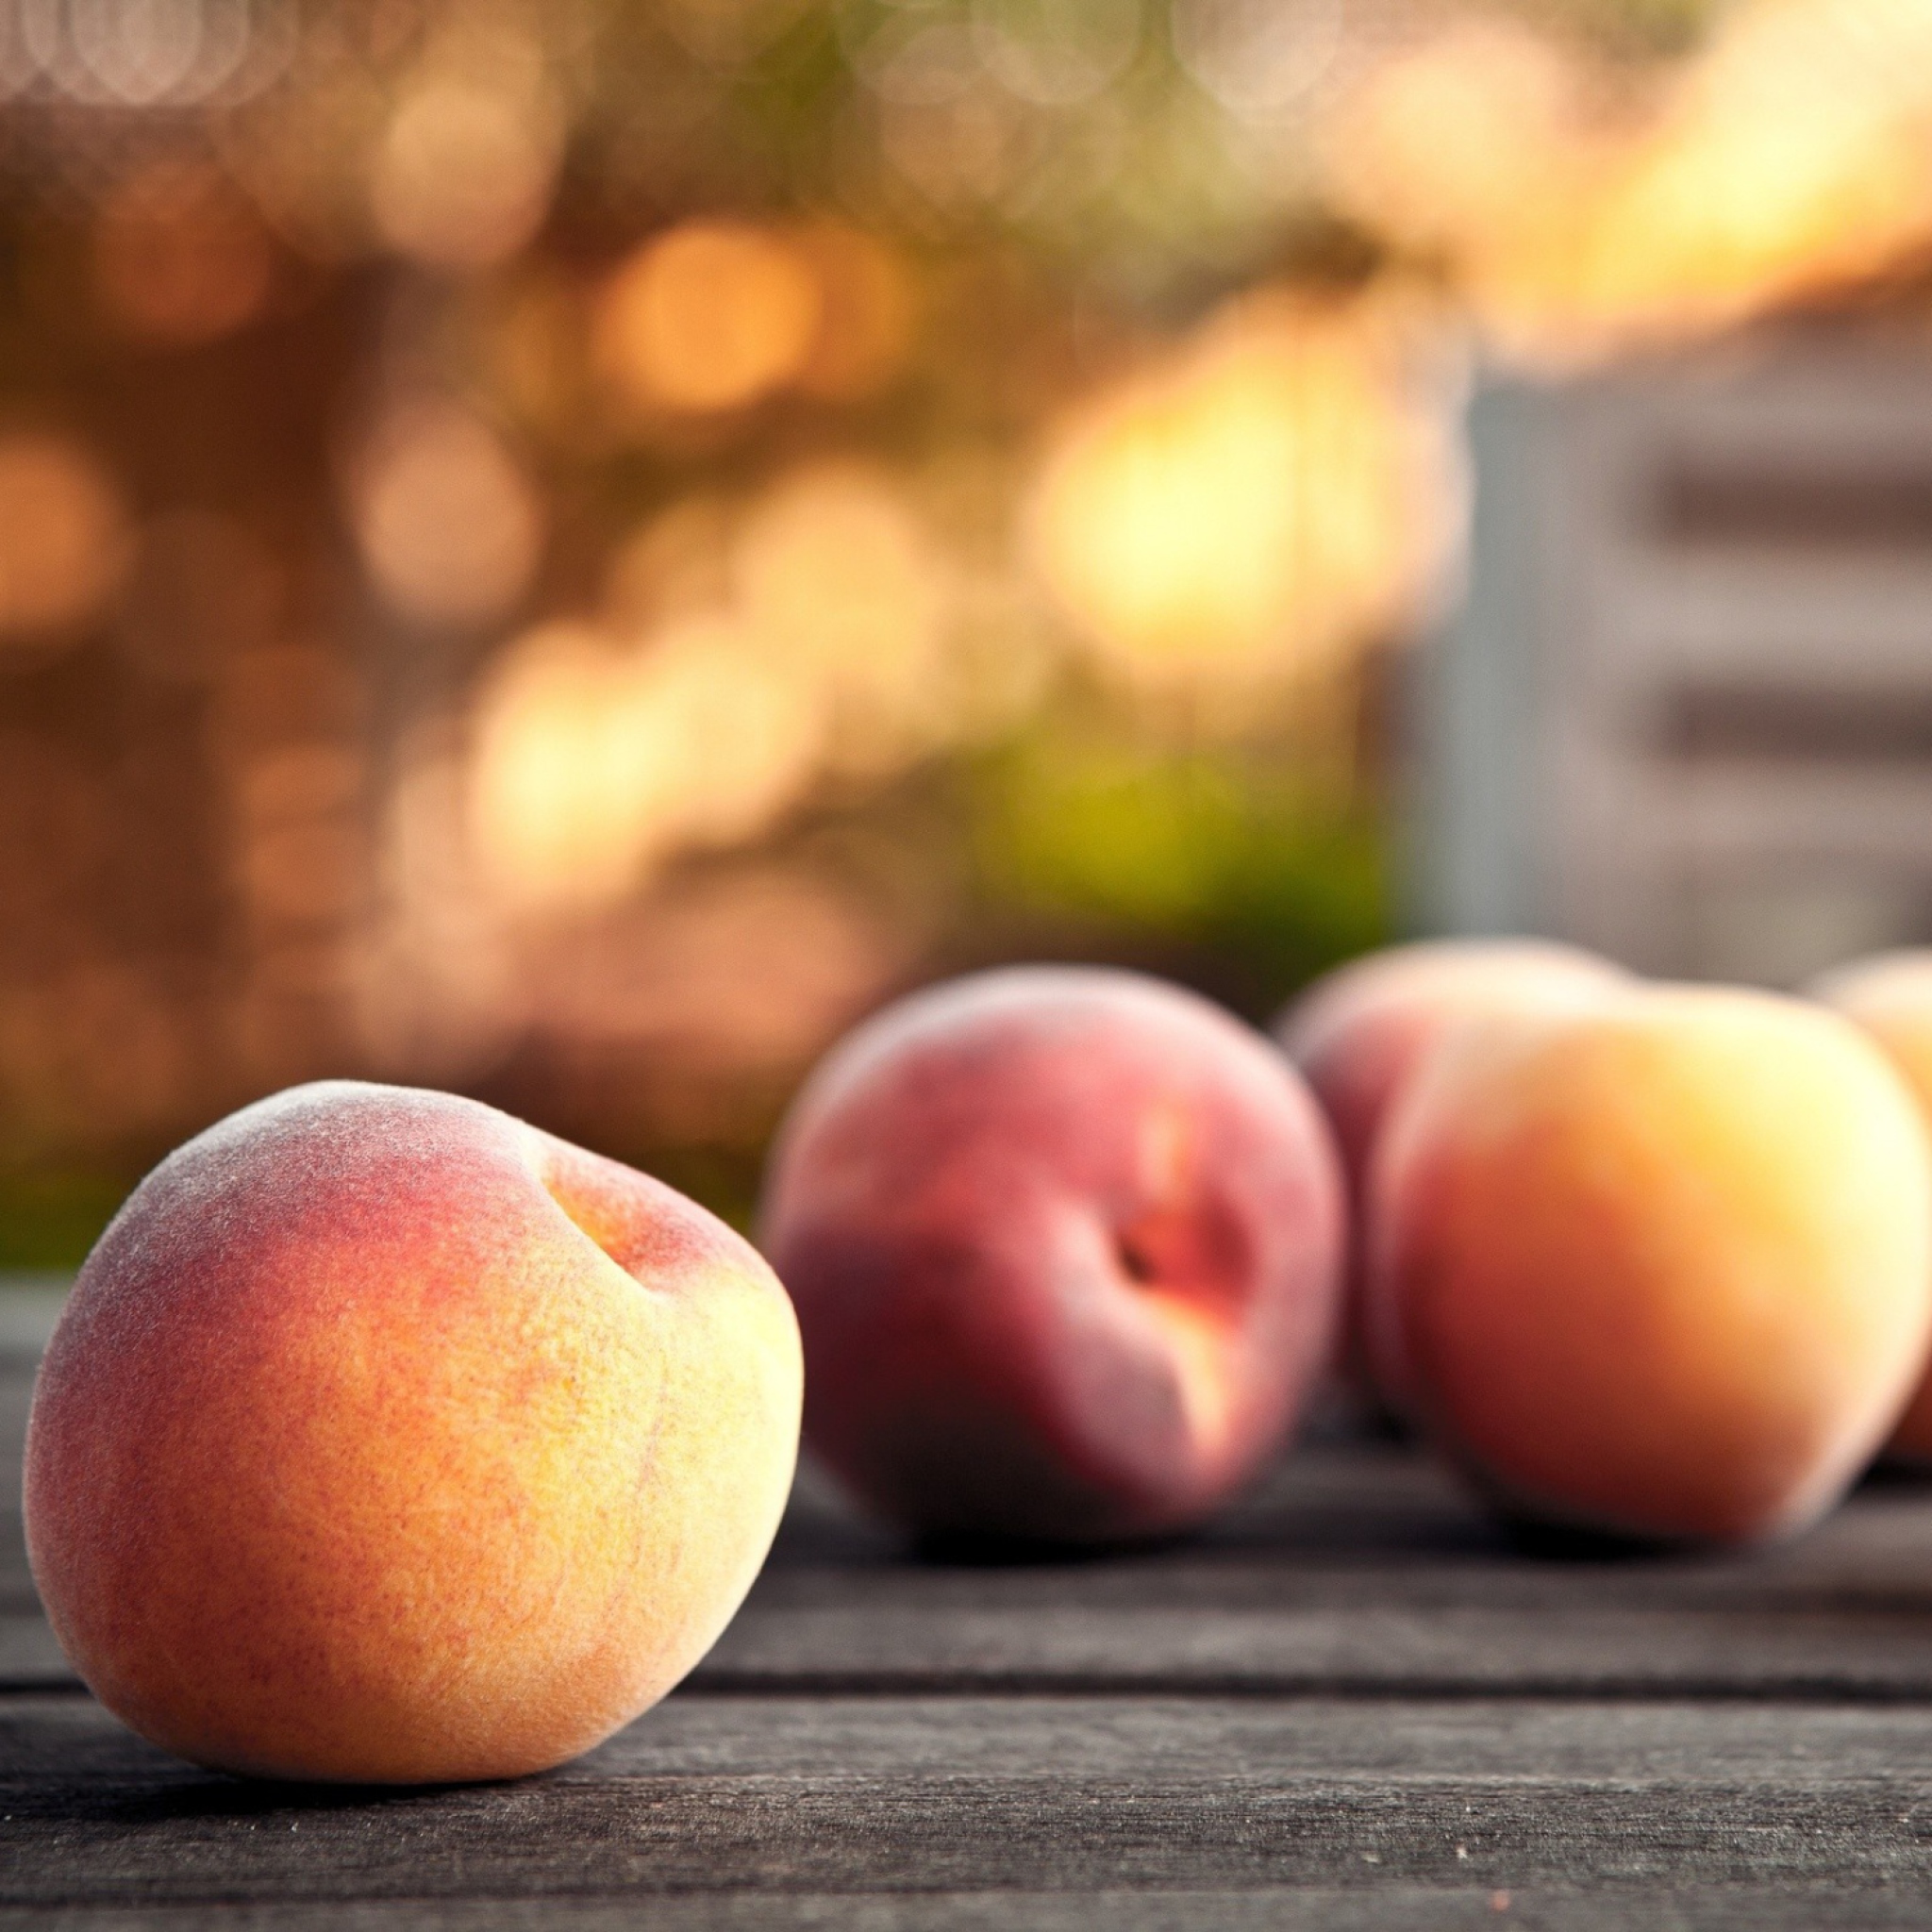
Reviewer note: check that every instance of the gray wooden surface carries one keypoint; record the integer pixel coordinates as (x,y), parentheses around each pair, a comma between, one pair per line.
(1353,1704)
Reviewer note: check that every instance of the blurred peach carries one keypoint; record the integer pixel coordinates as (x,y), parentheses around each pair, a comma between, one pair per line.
(1065,1247)
(1660,1264)
(1889,995)
(1360,1033)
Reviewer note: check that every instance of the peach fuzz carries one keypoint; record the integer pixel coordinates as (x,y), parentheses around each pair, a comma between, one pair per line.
(386,1439)
(1065,1247)
(1360,1033)
(1660,1265)
(1890,996)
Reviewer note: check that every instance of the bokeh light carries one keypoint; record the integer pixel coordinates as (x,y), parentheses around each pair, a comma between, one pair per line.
(1256,58)
(553,803)
(65,537)
(1790,156)
(465,170)
(805,634)
(300,856)
(727,735)
(301,871)
(1476,146)
(160,53)
(743,977)
(961,148)
(867,313)
(914,56)
(594,762)
(709,316)
(1056,52)
(283,692)
(838,580)
(181,256)
(436,994)
(674,565)
(1795,155)
(450,526)
(1246,514)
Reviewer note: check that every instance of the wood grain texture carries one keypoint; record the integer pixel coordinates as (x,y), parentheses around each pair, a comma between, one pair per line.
(828,1796)
(1381,1654)
(1380,1907)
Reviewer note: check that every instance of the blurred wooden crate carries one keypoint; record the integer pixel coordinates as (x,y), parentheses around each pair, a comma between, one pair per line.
(1683,712)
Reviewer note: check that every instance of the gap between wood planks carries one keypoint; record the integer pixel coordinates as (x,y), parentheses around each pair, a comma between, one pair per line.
(887,1686)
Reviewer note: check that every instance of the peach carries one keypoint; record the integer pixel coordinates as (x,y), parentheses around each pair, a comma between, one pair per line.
(1065,1245)
(1889,995)
(1360,1033)
(387,1439)
(1657,1265)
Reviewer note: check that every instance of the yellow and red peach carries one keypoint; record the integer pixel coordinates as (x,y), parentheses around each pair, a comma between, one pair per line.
(387,1439)
(1360,1033)
(1889,995)
(1065,1248)
(1659,1265)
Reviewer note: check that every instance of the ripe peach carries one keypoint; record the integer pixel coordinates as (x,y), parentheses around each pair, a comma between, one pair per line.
(1360,1033)
(1661,1264)
(1889,995)
(1065,1245)
(387,1439)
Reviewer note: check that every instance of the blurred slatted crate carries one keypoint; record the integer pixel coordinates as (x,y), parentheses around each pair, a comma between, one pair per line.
(1684,711)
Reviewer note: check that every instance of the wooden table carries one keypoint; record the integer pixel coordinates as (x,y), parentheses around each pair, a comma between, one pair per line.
(1352,1705)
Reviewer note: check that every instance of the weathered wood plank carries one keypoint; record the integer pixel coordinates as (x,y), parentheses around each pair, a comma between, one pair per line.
(835,1797)
(1371,1654)
(1675,1744)
(1382,1652)
(1379,1908)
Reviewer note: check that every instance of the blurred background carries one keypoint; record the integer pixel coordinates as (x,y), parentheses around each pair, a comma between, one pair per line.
(569,551)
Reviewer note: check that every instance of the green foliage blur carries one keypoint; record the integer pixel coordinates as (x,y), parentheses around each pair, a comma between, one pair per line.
(50,1218)
(1234,854)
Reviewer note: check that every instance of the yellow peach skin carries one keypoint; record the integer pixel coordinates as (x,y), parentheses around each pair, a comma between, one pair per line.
(1358,1035)
(387,1439)
(1661,1265)
(1359,1032)
(1889,995)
